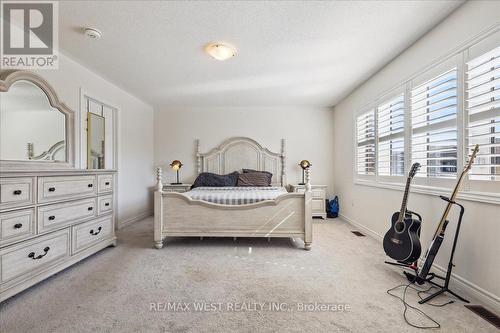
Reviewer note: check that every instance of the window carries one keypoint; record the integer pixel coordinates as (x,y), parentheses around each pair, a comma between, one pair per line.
(483,111)
(435,118)
(390,134)
(365,138)
(434,126)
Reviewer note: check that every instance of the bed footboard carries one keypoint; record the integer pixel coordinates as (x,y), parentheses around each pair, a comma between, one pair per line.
(177,215)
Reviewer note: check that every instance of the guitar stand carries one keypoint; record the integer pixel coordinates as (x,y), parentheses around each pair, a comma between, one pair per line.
(445,287)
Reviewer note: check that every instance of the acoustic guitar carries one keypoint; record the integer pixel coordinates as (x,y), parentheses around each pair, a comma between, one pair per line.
(401,242)
(438,237)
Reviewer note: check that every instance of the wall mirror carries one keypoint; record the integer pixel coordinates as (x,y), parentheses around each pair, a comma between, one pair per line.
(30,128)
(35,128)
(95,141)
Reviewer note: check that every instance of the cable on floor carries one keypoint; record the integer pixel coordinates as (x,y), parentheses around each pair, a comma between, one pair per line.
(408,306)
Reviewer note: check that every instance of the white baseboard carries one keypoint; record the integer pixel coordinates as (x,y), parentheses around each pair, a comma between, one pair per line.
(488,299)
(129,221)
(369,231)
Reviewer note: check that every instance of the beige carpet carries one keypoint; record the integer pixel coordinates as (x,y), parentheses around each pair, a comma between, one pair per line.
(112,291)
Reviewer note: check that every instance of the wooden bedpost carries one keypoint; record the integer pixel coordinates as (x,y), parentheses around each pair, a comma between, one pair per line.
(283,162)
(159,173)
(198,157)
(158,207)
(308,211)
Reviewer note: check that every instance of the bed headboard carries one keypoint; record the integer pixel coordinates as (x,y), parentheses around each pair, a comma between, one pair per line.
(237,153)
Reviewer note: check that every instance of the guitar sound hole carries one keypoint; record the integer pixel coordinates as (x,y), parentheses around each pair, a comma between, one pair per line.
(399,226)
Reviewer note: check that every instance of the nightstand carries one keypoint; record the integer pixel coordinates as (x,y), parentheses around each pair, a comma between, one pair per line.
(318,198)
(176,187)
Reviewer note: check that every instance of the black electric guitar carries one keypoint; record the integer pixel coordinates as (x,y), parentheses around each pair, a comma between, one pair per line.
(401,242)
(438,237)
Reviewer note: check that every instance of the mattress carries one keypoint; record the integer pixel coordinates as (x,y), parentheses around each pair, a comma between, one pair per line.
(235,195)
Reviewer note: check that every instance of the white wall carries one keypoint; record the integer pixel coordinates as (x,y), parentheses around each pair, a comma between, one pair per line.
(135,132)
(308,132)
(477,263)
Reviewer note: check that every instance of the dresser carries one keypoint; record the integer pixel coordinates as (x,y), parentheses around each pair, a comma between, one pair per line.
(50,220)
(318,198)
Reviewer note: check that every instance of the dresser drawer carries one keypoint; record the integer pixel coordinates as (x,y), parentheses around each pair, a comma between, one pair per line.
(58,215)
(16,192)
(318,205)
(64,188)
(318,193)
(105,183)
(16,225)
(104,204)
(91,232)
(34,255)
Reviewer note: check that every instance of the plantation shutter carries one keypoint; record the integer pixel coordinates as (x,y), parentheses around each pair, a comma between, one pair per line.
(483,111)
(365,138)
(390,134)
(434,126)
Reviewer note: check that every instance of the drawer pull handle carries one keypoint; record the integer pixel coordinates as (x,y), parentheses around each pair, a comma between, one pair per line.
(40,256)
(90,208)
(106,183)
(18,192)
(90,185)
(95,233)
(18,225)
(52,189)
(52,217)
(106,204)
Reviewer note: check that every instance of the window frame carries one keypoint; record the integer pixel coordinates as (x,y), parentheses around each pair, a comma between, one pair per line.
(435,71)
(472,52)
(486,191)
(368,108)
(381,100)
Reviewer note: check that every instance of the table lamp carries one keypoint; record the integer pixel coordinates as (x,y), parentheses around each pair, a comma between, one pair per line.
(304,164)
(176,165)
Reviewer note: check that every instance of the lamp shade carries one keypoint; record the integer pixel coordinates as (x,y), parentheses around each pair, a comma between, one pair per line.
(221,50)
(176,164)
(304,164)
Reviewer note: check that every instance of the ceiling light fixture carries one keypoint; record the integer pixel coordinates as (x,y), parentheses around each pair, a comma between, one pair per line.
(221,50)
(92,33)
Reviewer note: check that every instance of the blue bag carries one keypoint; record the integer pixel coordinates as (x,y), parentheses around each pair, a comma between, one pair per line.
(333,208)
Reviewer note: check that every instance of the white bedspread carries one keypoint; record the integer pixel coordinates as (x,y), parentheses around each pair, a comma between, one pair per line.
(235,195)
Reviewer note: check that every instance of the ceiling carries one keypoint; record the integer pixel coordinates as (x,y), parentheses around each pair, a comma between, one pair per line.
(289,53)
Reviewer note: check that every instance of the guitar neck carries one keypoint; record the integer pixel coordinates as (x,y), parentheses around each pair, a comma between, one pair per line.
(441,225)
(405,200)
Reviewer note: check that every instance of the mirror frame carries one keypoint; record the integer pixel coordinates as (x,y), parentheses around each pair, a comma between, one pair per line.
(7,79)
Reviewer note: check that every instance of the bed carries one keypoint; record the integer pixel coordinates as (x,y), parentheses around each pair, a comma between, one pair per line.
(232,211)
(236,195)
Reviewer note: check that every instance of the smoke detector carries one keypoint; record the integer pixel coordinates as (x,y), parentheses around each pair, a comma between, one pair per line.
(92,33)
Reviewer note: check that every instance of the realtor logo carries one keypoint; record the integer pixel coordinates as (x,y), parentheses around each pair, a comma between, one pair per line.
(29,35)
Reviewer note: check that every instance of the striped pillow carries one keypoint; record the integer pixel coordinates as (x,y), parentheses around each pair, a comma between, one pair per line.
(267,173)
(253,179)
